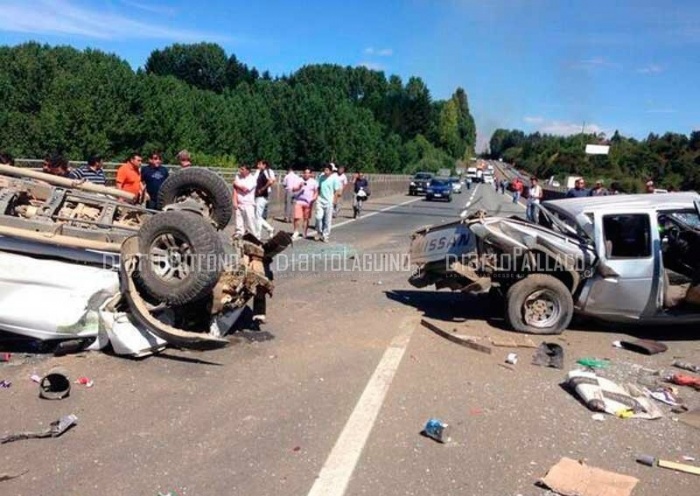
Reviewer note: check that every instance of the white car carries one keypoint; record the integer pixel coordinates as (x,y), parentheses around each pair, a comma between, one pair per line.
(488,179)
(456,185)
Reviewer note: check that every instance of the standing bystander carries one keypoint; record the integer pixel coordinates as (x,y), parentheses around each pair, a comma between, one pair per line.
(328,187)
(153,175)
(244,185)
(91,172)
(129,177)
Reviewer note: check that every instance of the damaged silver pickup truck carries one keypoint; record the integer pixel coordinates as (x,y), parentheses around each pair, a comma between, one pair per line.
(622,258)
(178,270)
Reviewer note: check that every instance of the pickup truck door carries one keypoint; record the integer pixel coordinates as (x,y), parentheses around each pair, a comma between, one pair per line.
(630,274)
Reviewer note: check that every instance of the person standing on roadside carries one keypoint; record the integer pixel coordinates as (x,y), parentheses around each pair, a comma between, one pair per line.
(579,190)
(153,175)
(264,178)
(184,158)
(91,172)
(329,188)
(129,177)
(534,197)
(598,189)
(517,189)
(343,178)
(244,185)
(290,181)
(306,193)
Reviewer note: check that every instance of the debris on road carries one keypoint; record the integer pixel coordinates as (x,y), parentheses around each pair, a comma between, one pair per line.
(664,395)
(55,429)
(512,358)
(598,417)
(35,378)
(5,357)
(685,380)
(85,381)
(688,458)
(549,355)
(593,363)
(686,366)
(652,461)
(572,478)
(644,346)
(467,341)
(6,477)
(437,430)
(603,395)
(55,385)
(4,384)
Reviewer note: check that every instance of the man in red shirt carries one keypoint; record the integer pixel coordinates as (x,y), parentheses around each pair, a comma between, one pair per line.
(129,177)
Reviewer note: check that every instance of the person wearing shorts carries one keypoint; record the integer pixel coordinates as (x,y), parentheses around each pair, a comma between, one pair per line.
(305,196)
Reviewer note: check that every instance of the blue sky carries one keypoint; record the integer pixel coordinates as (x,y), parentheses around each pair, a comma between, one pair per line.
(548,65)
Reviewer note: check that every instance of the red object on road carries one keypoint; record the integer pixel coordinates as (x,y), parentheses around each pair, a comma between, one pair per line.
(5,357)
(686,380)
(84,381)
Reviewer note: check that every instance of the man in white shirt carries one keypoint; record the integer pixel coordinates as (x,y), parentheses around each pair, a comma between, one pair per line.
(264,178)
(534,197)
(290,182)
(340,173)
(244,186)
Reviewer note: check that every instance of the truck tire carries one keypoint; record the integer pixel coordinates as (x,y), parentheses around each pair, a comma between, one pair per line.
(180,256)
(539,304)
(207,184)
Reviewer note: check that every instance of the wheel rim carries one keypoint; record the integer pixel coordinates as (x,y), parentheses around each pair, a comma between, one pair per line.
(170,257)
(541,309)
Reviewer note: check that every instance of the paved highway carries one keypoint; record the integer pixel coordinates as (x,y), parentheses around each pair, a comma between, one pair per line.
(330,397)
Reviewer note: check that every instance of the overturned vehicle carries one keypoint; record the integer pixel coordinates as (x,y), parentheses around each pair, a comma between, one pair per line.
(87,252)
(622,258)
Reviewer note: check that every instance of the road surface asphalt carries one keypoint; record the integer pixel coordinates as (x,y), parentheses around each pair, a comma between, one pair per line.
(330,397)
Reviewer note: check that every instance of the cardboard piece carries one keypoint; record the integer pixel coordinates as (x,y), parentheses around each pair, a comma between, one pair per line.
(572,478)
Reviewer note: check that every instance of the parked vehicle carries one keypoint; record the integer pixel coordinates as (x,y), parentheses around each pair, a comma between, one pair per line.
(439,189)
(419,183)
(630,258)
(456,185)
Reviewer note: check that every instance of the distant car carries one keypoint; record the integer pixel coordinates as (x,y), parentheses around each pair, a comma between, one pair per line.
(456,185)
(439,189)
(419,183)
(488,179)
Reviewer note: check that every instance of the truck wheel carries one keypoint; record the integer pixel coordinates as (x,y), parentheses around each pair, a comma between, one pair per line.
(539,304)
(203,185)
(180,257)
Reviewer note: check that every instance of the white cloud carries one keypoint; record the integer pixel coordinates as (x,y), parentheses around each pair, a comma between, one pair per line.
(562,128)
(147,7)
(595,63)
(651,69)
(373,66)
(660,111)
(381,52)
(65,18)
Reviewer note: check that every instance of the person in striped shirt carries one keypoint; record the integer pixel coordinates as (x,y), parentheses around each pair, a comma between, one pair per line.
(92,172)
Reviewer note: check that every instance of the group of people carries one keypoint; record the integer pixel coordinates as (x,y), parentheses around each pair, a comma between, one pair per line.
(306,195)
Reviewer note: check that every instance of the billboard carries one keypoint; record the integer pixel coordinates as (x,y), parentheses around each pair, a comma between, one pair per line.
(597,149)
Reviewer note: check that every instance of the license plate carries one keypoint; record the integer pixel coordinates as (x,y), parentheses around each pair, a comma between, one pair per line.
(438,194)
(419,188)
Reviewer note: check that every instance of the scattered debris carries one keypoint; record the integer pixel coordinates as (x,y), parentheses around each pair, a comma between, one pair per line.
(4,384)
(436,429)
(572,478)
(603,395)
(685,380)
(469,341)
(599,417)
(688,458)
(549,355)
(5,357)
(521,342)
(617,344)
(296,448)
(6,477)
(55,385)
(686,366)
(664,395)
(645,346)
(512,358)
(55,429)
(680,467)
(36,378)
(593,363)
(85,381)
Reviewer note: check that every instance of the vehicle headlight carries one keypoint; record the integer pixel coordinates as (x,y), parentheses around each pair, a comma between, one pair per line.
(413,183)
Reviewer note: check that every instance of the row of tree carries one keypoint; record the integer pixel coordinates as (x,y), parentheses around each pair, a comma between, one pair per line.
(670,160)
(59,99)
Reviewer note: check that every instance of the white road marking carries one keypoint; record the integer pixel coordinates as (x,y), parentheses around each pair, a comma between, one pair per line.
(471,198)
(335,475)
(391,207)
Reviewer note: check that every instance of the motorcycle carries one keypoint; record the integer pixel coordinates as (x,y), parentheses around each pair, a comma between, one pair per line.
(360,196)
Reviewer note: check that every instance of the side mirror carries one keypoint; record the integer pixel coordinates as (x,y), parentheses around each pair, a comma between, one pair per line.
(585,222)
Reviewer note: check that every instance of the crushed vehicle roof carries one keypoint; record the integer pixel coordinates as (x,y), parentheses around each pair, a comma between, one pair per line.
(576,206)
